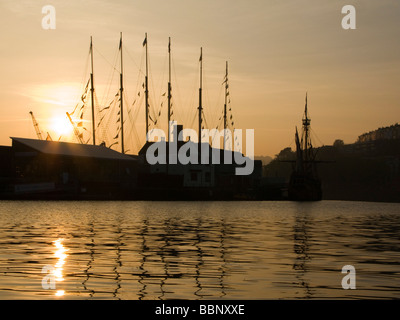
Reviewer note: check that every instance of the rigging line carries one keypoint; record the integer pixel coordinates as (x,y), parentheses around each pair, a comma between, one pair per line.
(110,114)
(205,122)
(218,129)
(107,91)
(139,75)
(83,83)
(220,122)
(142,69)
(136,105)
(315,135)
(177,90)
(221,89)
(206,92)
(96,103)
(100,127)
(161,104)
(130,135)
(135,112)
(194,118)
(126,99)
(126,104)
(215,132)
(159,114)
(104,129)
(188,106)
(161,85)
(139,78)
(214,112)
(229,94)
(192,100)
(133,60)
(131,123)
(134,130)
(105,59)
(84,76)
(153,100)
(111,75)
(141,92)
(229,111)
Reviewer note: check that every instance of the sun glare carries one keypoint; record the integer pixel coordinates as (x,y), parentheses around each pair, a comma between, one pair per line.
(61,126)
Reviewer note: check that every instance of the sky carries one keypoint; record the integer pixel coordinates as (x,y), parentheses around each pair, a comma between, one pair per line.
(277,51)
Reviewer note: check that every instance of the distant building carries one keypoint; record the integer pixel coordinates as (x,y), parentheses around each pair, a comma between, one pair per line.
(389,133)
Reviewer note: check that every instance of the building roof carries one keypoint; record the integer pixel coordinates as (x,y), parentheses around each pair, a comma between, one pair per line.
(73,149)
(223,154)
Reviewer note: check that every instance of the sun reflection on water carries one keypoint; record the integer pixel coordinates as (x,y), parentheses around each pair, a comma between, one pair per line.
(59,293)
(60,253)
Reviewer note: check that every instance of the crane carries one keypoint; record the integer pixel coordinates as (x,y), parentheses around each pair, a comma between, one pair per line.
(76,131)
(36,125)
(37,129)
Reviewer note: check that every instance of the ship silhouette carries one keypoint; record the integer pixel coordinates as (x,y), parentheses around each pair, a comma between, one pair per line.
(91,169)
(304,183)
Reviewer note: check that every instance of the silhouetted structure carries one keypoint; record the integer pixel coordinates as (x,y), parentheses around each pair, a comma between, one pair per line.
(304,184)
(41,169)
(386,133)
(61,170)
(360,171)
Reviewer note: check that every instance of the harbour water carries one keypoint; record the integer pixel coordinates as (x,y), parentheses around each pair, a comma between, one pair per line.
(198,250)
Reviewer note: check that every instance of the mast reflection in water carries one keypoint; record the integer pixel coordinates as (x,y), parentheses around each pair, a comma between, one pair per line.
(197,250)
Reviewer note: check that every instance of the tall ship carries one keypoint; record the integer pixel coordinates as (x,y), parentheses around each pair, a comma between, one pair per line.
(103,166)
(304,183)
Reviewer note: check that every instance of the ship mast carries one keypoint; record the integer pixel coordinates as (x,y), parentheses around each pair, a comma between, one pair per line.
(146,92)
(200,100)
(92,90)
(306,128)
(225,105)
(299,153)
(121,90)
(169,88)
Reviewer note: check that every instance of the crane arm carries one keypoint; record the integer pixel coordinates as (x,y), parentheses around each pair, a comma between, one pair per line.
(36,125)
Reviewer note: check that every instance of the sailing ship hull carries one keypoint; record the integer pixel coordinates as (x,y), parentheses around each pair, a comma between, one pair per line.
(304,188)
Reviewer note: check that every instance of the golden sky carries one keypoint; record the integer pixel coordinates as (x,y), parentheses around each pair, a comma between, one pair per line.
(277,51)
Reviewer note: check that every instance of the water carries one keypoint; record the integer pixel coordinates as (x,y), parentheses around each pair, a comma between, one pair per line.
(198,250)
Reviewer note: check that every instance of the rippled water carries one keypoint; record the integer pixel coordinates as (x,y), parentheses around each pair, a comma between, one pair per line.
(198,250)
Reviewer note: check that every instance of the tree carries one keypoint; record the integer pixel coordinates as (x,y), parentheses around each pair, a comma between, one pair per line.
(338,143)
(285,154)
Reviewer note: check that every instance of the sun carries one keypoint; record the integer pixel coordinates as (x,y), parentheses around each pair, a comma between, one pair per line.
(61,126)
